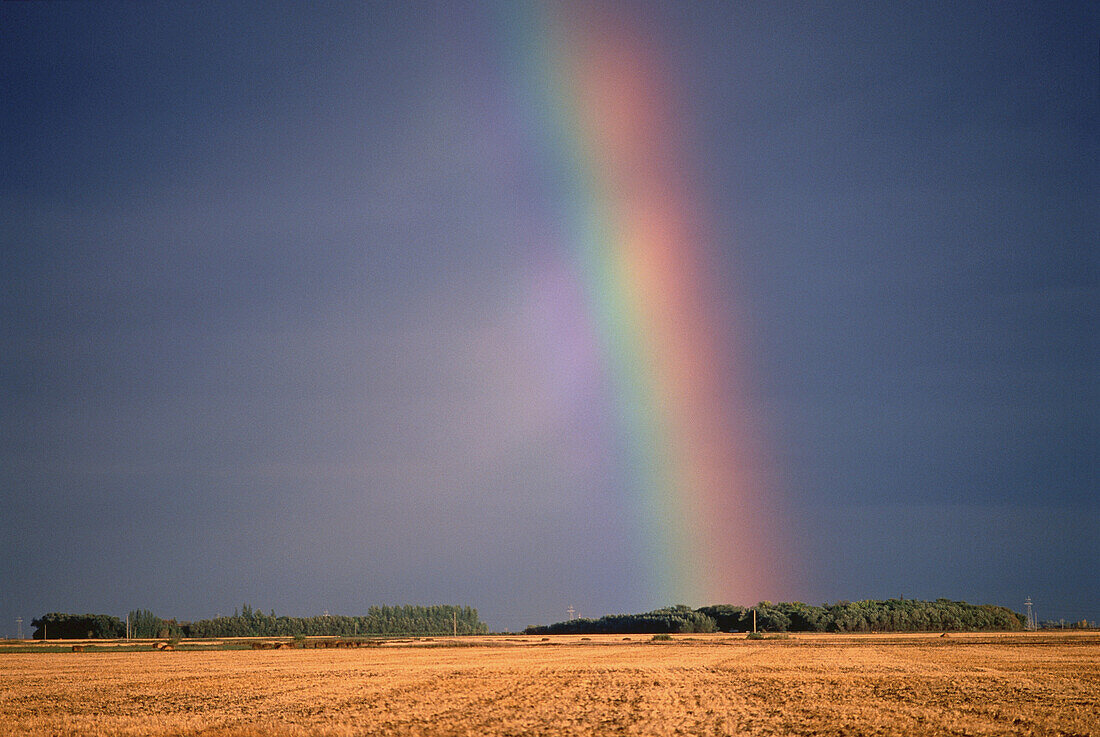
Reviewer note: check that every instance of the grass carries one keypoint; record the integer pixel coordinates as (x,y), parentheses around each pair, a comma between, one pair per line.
(1026,683)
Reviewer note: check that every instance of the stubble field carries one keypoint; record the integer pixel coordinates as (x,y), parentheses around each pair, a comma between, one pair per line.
(974,684)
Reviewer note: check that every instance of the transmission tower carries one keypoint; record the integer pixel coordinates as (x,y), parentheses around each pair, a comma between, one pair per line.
(1030,616)
(19,626)
(572,612)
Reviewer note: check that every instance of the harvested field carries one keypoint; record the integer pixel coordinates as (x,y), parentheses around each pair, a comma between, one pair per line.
(976,684)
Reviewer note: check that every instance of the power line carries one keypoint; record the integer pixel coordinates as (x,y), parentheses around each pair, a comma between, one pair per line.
(1070,613)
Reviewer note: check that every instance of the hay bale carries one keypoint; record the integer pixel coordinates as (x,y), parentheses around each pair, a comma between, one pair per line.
(78,648)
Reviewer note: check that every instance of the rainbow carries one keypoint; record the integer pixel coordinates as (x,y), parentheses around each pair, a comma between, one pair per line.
(607,143)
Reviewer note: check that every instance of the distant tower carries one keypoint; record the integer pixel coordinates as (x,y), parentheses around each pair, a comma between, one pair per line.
(1030,616)
(572,611)
(19,626)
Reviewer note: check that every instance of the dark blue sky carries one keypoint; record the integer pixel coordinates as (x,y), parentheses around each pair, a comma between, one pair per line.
(265,305)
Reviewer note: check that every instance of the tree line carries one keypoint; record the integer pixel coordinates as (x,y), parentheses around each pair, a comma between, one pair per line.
(249,622)
(679,618)
(60,626)
(890,615)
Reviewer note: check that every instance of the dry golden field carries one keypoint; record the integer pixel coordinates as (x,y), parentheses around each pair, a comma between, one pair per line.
(965,684)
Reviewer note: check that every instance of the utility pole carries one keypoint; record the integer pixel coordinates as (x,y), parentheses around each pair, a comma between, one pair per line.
(1030,616)
(754,621)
